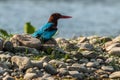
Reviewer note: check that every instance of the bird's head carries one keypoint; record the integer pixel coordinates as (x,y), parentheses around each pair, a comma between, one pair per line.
(56,16)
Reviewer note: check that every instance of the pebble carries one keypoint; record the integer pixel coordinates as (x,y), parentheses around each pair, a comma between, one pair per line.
(107,68)
(30,76)
(49,69)
(92,64)
(76,74)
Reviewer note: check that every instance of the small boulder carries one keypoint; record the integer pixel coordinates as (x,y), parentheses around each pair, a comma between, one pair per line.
(21,62)
(108,48)
(49,68)
(85,46)
(8,46)
(115,51)
(26,40)
(1,44)
(38,64)
(76,74)
(115,75)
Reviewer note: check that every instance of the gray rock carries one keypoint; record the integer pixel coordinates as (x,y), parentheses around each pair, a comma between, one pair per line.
(77,54)
(70,61)
(49,69)
(30,76)
(85,46)
(59,64)
(21,62)
(89,54)
(100,61)
(107,68)
(8,46)
(84,60)
(26,50)
(115,51)
(65,44)
(38,64)
(2,70)
(8,78)
(81,67)
(76,74)
(92,64)
(63,71)
(1,44)
(115,75)
(26,40)
(73,68)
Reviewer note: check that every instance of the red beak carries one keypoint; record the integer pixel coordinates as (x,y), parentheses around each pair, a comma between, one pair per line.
(65,17)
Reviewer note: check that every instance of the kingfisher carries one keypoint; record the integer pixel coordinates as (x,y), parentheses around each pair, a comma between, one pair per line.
(47,31)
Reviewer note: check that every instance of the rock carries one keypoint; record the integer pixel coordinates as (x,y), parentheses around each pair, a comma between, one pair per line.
(70,61)
(8,78)
(26,50)
(63,72)
(92,64)
(84,60)
(107,68)
(104,76)
(117,39)
(77,54)
(115,51)
(81,67)
(85,46)
(115,75)
(30,76)
(49,69)
(100,61)
(21,62)
(76,74)
(2,70)
(26,40)
(45,59)
(89,54)
(5,56)
(30,70)
(108,48)
(38,64)
(73,68)
(8,46)
(65,44)
(50,43)
(1,44)
(57,63)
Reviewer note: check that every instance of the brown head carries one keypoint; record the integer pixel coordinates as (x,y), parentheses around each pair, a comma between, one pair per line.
(55,16)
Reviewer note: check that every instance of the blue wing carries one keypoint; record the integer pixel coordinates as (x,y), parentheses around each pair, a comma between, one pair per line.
(44,33)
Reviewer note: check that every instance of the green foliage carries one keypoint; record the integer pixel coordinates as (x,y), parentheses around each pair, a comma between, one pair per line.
(4,34)
(67,56)
(28,28)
